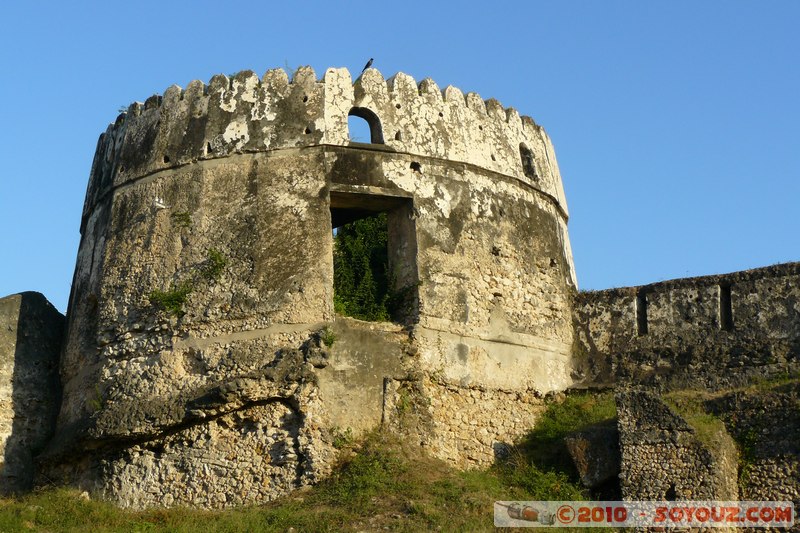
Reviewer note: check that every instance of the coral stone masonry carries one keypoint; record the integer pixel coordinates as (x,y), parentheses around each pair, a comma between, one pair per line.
(202,362)
(193,372)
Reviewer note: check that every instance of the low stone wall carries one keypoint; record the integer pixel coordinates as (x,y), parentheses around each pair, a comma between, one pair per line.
(663,459)
(710,332)
(248,439)
(244,457)
(31,331)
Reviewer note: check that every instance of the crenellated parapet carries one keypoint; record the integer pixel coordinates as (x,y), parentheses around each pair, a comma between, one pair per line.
(245,114)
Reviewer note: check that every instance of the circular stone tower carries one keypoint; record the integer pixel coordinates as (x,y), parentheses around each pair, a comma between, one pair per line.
(204,364)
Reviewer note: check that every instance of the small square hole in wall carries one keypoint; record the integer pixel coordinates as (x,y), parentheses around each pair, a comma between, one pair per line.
(374,257)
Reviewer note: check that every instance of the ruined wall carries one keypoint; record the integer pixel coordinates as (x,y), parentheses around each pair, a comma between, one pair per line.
(765,422)
(664,459)
(709,332)
(203,285)
(31,331)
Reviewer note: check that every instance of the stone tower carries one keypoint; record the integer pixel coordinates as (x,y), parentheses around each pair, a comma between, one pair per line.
(203,363)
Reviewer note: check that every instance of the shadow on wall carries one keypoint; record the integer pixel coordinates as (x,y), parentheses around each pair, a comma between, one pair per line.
(31,333)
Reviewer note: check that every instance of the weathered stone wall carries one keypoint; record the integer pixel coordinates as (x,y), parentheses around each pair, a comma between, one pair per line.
(766,424)
(710,332)
(468,427)
(31,332)
(260,420)
(206,259)
(663,458)
(244,114)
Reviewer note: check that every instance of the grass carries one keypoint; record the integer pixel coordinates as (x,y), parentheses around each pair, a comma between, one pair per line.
(327,336)
(711,431)
(182,219)
(172,301)
(381,484)
(544,445)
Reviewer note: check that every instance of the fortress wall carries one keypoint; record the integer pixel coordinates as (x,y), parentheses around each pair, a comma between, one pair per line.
(492,308)
(243,438)
(766,423)
(483,278)
(664,458)
(204,281)
(265,219)
(710,332)
(244,114)
(494,281)
(254,450)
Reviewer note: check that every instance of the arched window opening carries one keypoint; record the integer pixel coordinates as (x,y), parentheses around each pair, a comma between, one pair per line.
(364,126)
(528,162)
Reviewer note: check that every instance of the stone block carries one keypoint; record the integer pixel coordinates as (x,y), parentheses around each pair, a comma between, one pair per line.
(595,452)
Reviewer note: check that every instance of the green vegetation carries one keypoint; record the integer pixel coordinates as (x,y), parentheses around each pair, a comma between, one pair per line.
(182,219)
(214,265)
(343,438)
(363,287)
(360,269)
(381,484)
(327,336)
(709,429)
(786,378)
(544,446)
(173,300)
(747,442)
(97,401)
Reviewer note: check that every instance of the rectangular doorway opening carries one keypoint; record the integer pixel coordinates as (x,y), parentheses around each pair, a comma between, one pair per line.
(374,257)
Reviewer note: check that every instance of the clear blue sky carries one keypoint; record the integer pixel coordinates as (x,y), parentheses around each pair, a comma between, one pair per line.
(676,124)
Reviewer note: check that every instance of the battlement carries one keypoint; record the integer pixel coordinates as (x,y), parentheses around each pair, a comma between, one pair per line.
(245,114)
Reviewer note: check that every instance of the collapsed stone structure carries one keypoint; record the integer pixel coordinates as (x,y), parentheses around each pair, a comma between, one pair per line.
(203,363)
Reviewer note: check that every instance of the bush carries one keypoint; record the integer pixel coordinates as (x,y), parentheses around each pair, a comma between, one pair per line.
(361,287)
(173,300)
(214,265)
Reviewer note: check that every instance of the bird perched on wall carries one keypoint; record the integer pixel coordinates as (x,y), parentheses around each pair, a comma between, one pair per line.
(369,64)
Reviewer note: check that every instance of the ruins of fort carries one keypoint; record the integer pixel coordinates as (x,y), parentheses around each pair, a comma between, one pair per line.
(201,362)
